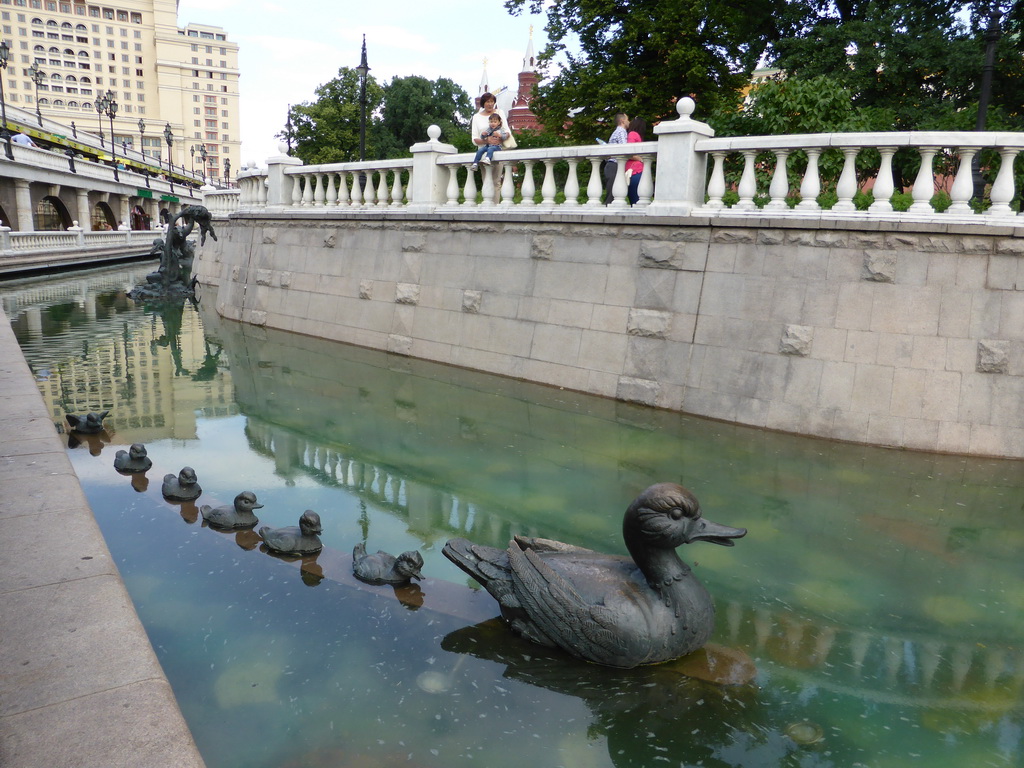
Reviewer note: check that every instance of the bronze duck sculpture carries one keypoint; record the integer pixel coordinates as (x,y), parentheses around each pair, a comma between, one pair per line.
(236,515)
(181,487)
(382,568)
(90,424)
(295,540)
(607,609)
(133,460)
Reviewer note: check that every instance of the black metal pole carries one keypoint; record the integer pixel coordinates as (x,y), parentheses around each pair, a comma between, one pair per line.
(992,35)
(4,133)
(113,145)
(364,71)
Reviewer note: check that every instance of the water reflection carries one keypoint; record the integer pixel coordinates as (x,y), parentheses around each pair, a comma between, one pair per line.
(879,592)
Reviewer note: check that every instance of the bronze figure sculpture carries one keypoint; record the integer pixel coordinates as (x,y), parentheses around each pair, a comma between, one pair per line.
(382,568)
(181,487)
(133,460)
(611,610)
(173,279)
(235,515)
(295,540)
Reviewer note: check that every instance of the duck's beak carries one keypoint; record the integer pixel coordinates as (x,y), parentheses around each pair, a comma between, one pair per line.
(706,530)
(257,506)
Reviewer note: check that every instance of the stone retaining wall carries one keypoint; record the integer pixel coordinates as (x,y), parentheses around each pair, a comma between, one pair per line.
(906,336)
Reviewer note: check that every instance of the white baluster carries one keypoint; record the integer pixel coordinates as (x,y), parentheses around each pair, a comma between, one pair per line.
(357,190)
(263,189)
(382,190)
(884,186)
(452,192)
(846,187)
(296,189)
(572,184)
(508,184)
(810,187)
(547,187)
(594,187)
(748,181)
(645,189)
(397,193)
(1002,188)
(319,190)
(487,176)
(332,190)
(369,191)
(529,188)
(716,186)
(963,185)
(307,189)
(924,184)
(343,198)
(469,191)
(778,190)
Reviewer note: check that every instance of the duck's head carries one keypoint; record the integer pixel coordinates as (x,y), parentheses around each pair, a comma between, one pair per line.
(309,523)
(187,476)
(246,500)
(137,451)
(408,564)
(667,515)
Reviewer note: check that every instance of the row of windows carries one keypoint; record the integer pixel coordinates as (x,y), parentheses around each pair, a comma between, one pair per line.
(78,9)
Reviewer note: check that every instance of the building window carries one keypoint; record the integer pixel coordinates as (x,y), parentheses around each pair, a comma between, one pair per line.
(136,18)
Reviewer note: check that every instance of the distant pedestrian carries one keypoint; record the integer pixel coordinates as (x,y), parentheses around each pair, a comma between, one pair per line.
(635,166)
(619,136)
(23,139)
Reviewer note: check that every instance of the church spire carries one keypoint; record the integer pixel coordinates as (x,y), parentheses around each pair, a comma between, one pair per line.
(484,84)
(530,59)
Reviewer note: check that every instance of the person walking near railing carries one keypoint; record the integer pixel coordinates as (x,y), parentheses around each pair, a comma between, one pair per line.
(635,166)
(619,136)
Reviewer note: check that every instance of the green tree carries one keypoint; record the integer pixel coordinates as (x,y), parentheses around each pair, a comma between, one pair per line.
(411,104)
(636,56)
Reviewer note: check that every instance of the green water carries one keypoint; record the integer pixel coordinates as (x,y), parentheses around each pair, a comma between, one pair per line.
(879,593)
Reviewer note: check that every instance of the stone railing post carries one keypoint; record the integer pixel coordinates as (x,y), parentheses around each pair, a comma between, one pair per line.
(5,239)
(429,183)
(279,184)
(681,170)
(79,234)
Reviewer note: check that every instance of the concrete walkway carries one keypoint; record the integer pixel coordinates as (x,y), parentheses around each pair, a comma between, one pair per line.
(80,685)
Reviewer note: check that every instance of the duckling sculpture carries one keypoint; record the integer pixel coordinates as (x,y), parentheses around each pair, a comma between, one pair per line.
(295,540)
(236,515)
(611,610)
(382,568)
(181,487)
(133,460)
(90,424)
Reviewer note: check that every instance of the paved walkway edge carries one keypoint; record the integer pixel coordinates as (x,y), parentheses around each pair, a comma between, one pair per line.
(80,684)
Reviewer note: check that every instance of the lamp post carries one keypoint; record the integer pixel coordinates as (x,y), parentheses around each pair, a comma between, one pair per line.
(192,158)
(202,156)
(101,105)
(37,76)
(227,173)
(363,69)
(169,138)
(142,138)
(288,129)
(110,109)
(5,52)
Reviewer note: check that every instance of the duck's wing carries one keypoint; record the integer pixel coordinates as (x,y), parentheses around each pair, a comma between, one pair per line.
(537,544)
(557,611)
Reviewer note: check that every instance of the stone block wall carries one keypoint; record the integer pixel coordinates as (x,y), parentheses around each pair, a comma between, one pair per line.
(898,336)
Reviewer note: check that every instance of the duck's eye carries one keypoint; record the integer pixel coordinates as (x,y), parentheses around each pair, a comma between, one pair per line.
(676,513)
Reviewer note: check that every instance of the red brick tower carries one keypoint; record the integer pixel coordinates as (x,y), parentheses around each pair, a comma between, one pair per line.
(519,115)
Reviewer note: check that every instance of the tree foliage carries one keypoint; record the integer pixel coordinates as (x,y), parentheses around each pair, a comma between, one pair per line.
(635,56)
(397,116)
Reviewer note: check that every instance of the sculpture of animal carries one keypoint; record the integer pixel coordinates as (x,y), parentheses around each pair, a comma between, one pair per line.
(182,487)
(382,568)
(90,424)
(612,610)
(133,460)
(295,540)
(236,515)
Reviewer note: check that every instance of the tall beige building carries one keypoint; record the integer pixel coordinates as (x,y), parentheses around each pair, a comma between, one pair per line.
(159,73)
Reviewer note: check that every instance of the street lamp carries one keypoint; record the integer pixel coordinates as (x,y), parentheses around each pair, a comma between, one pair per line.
(288,129)
(192,158)
(37,76)
(142,138)
(101,105)
(363,69)
(5,52)
(110,108)
(227,173)
(202,156)
(169,138)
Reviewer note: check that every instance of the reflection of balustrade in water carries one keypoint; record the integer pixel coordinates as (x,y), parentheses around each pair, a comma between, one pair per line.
(878,665)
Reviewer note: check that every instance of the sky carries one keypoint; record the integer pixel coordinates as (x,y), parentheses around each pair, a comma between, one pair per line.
(286,50)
